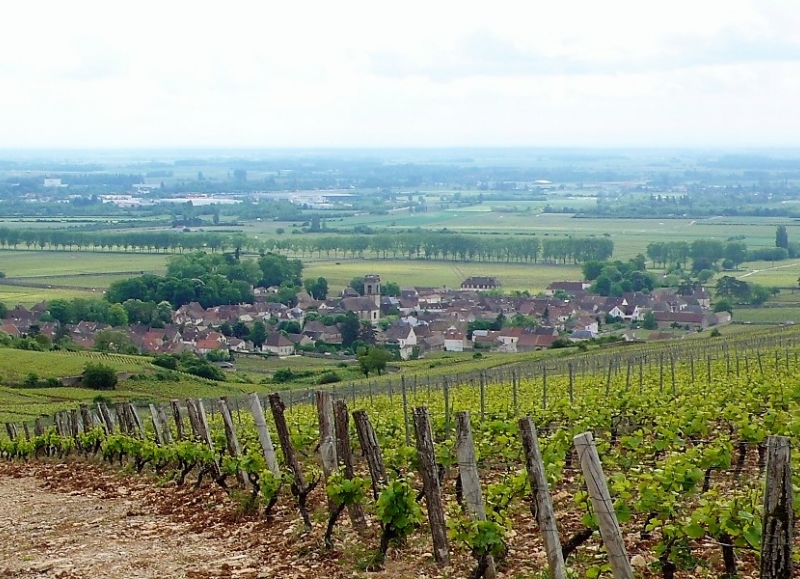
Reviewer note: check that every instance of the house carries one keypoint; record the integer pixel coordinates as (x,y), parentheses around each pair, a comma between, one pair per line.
(568,287)
(480,283)
(278,344)
(404,337)
(454,340)
(432,343)
(694,321)
(364,307)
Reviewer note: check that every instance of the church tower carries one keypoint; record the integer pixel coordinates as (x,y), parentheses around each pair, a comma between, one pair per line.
(372,288)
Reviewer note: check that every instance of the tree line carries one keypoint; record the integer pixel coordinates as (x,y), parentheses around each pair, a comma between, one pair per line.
(411,245)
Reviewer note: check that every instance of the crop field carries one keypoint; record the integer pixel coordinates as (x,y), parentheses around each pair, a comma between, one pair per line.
(425,273)
(25,263)
(28,296)
(764,315)
(680,446)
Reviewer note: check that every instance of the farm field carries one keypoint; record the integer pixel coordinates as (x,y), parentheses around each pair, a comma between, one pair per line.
(24,263)
(423,273)
(27,296)
(765,315)
(703,422)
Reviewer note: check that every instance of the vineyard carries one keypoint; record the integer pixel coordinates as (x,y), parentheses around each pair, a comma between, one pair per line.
(655,463)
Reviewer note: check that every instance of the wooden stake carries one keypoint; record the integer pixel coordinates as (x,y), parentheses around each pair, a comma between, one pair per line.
(345,454)
(371,451)
(106,416)
(162,419)
(175,405)
(776,536)
(232,441)
(433,496)
(263,434)
(406,421)
(545,516)
(327,437)
(470,481)
(603,506)
(156,425)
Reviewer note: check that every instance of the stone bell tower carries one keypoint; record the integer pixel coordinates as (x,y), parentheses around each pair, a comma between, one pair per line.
(372,288)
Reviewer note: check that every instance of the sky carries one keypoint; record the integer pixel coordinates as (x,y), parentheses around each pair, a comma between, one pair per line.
(577,73)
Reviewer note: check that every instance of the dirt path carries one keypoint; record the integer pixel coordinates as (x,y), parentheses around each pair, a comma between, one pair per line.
(87,533)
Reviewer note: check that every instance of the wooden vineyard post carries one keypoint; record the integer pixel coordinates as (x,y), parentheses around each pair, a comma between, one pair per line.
(327,437)
(277,407)
(776,535)
(544,386)
(74,427)
(156,425)
(86,417)
(263,434)
(470,481)
(545,517)
(344,452)
(628,375)
(515,392)
(483,397)
(136,422)
(175,405)
(232,441)
(38,429)
(672,368)
(26,430)
(371,450)
(641,376)
(194,420)
(661,374)
(406,424)
(608,376)
(11,431)
(433,496)
(446,390)
(106,416)
(162,420)
(603,506)
(571,384)
(205,433)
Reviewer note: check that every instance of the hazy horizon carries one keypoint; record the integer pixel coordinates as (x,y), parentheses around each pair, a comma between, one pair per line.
(90,75)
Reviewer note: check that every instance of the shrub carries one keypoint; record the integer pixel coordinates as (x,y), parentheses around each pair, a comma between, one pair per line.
(99,377)
(166,361)
(329,377)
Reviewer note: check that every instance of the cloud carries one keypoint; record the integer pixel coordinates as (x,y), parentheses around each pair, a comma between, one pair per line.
(482,53)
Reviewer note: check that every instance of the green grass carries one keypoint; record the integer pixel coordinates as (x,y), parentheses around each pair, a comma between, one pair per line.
(765,315)
(28,296)
(25,263)
(15,365)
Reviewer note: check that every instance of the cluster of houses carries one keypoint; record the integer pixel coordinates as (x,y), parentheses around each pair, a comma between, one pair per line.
(419,321)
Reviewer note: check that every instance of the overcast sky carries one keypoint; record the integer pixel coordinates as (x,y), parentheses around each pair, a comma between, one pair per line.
(400,74)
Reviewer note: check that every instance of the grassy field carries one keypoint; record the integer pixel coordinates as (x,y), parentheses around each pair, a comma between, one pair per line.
(48,263)
(439,273)
(767,315)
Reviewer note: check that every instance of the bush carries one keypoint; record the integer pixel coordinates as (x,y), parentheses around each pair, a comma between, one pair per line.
(329,377)
(166,361)
(99,377)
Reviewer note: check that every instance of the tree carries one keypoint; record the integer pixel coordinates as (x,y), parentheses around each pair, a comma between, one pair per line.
(781,237)
(390,288)
(60,311)
(99,377)
(117,316)
(350,328)
(373,359)
(317,288)
(240,175)
(112,341)
(723,305)
(3,310)
(649,321)
(258,335)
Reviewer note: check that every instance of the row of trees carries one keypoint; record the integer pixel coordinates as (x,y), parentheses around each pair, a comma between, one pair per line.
(431,245)
(412,245)
(706,253)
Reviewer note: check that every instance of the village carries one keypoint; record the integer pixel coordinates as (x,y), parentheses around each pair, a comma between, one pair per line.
(473,317)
